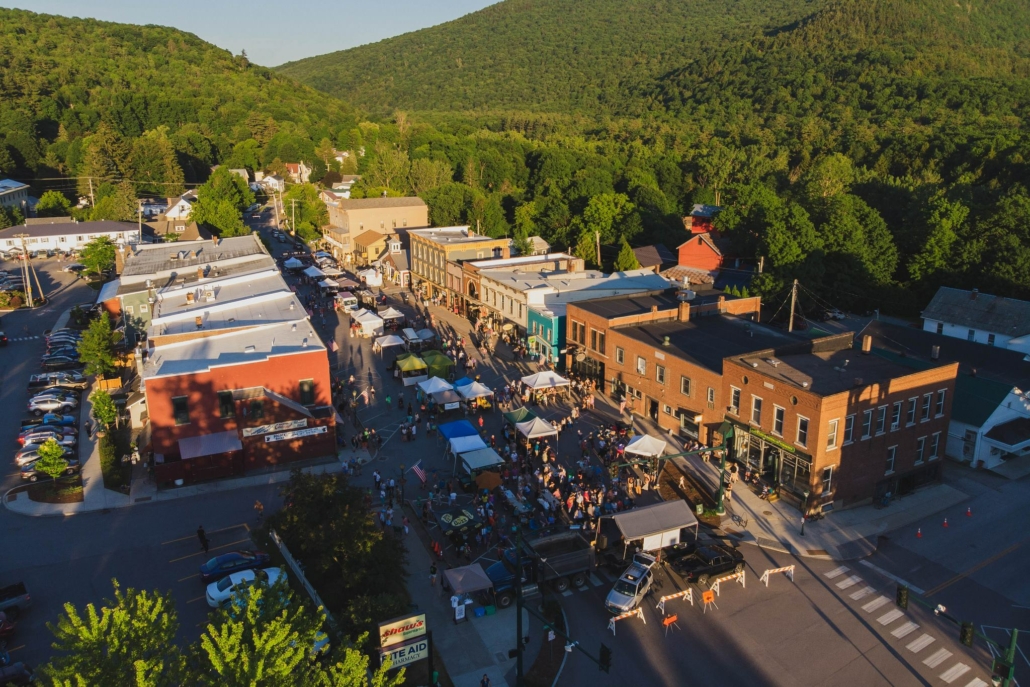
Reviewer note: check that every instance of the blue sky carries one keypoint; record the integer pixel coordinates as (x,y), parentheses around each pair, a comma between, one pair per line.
(271,32)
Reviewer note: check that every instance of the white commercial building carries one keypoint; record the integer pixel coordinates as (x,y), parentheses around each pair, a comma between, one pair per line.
(63,235)
(13,194)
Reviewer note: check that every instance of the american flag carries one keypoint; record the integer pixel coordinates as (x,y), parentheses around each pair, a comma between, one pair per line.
(417,469)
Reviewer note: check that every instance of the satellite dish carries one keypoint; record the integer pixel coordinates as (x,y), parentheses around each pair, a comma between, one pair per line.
(580,357)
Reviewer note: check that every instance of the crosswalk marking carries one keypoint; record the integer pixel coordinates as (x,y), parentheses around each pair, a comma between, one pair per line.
(937,658)
(849,582)
(862,593)
(890,616)
(917,645)
(955,672)
(976,682)
(905,630)
(567,592)
(875,603)
(595,580)
(837,572)
(22,338)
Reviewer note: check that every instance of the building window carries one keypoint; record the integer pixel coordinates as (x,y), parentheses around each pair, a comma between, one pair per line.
(659,374)
(910,416)
(939,410)
(831,435)
(579,330)
(257,409)
(828,479)
(735,400)
(181,410)
(620,355)
(891,453)
(849,429)
(597,341)
(667,409)
(711,397)
(935,444)
(971,336)
(990,339)
(685,385)
(802,431)
(756,410)
(778,415)
(143,307)
(925,414)
(867,424)
(881,419)
(920,449)
(307,392)
(940,327)
(896,415)
(129,310)
(641,366)
(226,406)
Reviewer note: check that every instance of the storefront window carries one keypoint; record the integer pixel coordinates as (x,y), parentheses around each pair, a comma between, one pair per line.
(796,473)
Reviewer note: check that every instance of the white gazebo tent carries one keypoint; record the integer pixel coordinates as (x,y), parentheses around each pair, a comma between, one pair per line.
(532,429)
(474,390)
(371,324)
(545,380)
(387,341)
(328,283)
(293,264)
(371,277)
(655,526)
(331,271)
(391,314)
(646,445)
(461,445)
(314,272)
(433,384)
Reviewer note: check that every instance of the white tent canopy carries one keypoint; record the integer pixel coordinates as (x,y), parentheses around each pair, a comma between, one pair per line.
(371,324)
(332,271)
(371,277)
(466,444)
(389,340)
(328,284)
(545,380)
(531,429)
(646,445)
(483,458)
(658,525)
(433,384)
(293,263)
(475,390)
(391,314)
(314,272)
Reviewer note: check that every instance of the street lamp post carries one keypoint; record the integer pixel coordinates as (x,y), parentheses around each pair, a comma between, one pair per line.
(804,512)
(402,485)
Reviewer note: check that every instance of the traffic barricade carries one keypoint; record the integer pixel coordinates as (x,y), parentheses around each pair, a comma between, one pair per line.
(788,570)
(687,594)
(737,577)
(638,612)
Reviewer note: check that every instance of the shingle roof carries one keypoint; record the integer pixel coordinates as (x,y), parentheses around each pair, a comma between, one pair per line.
(372,203)
(369,237)
(976,310)
(656,255)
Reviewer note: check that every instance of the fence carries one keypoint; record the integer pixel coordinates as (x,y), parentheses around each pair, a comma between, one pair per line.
(298,570)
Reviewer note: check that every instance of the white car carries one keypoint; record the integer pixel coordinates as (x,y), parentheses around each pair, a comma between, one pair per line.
(219,593)
(634,584)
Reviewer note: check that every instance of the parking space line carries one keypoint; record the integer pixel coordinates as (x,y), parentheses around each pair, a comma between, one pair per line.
(595,580)
(194,536)
(197,599)
(937,658)
(976,682)
(905,630)
(188,577)
(213,548)
(917,645)
(955,672)
(17,648)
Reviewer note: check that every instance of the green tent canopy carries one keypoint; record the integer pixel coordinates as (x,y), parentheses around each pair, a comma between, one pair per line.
(439,364)
(410,363)
(519,415)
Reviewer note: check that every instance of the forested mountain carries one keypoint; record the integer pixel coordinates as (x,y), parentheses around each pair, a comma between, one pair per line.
(148,104)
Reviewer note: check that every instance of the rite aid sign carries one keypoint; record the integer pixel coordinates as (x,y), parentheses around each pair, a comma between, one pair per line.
(402,629)
(405,654)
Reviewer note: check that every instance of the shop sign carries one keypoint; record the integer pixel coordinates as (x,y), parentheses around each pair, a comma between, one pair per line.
(772,440)
(402,629)
(405,654)
(283,436)
(277,427)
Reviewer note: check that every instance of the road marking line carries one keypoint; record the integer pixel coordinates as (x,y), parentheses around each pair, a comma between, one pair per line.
(890,616)
(905,630)
(917,645)
(978,566)
(955,672)
(567,592)
(976,682)
(862,593)
(17,648)
(213,548)
(197,599)
(837,572)
(937,658)
(194,536)
(188,577)
(849,582)
(876,603)
(889,576)
(595,580)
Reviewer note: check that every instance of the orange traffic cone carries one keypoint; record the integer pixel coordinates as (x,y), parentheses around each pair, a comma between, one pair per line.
(919,533)
(969,511)
(945,522)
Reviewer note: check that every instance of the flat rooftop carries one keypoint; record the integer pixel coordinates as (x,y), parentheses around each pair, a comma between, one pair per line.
(182,256)
(221,293)
(232,348)
(704,341)
(179,278)
(828,372)
(623,306)
(449,235)
(499,263)
(253,311)
(70,228)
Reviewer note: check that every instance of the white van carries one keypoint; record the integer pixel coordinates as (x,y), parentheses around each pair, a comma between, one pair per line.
(347,300)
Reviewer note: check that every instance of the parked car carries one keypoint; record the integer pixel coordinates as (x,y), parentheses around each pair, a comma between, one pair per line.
(62,351)
(228,563)
(66,423)
(706,562)
(833,314)
(56,429)
(632,586)
(30,472)
(59,380)
(17,674)
(63,340)
(48,405)
(3,339)
(56,393)
(74,267)
(40,436)
(219,593)
(30,454)
(60,362)
(14,598)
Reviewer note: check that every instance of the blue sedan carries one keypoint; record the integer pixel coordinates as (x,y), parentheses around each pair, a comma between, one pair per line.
(220,566)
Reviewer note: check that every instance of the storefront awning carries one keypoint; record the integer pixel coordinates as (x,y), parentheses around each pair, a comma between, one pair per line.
(210,444)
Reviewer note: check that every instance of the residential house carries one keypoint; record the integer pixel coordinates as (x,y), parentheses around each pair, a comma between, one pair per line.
(274,182)
(655,257)
(14,194)
(371,246)
(539,246)
(67,235)
(342,188)
(979,317)
(180,208)
(176,230)
(396,264)
(703,250)
(298,172)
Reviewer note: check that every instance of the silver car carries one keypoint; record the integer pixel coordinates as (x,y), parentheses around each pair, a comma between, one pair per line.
(634,584)
(61,404)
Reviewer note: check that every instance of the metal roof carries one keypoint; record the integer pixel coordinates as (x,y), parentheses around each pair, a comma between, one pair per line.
(660,517)
(977,310)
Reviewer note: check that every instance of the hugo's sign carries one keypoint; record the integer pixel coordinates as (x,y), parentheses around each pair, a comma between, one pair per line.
(401,629)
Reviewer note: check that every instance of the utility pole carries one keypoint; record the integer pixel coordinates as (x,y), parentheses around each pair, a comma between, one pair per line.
(139,202)
(519,677)
(293,217)
(597,244)
(275,206)
(92,201)
(25,268)
(793,301)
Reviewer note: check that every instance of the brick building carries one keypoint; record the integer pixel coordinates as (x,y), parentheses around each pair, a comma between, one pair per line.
(432,249)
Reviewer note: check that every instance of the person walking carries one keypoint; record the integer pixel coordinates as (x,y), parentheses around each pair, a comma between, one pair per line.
(432,574)
(259,508)
(202,536)
(485,682)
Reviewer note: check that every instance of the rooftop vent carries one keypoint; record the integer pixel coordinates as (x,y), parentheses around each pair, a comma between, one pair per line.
(199,320)
(773,361)
(804,384)
(665,341)
(754,363)
(249,349)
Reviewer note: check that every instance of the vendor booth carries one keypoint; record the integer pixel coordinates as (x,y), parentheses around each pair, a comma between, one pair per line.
(314,273)
(411,369)
(426,335)
(520,414)
(371,277)
(481,469)
(345,283)
(545,380)
(328,285)
(536,428)
(653,527)
(468,579)
(293,264)
(331,271)
(393,318)
(370,323)
(388,341)
(412,339)
(647,447)
(475,390)
(439,364)
(446,399)
(434,384)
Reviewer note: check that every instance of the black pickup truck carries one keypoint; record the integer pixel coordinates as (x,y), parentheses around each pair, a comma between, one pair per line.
(14,598)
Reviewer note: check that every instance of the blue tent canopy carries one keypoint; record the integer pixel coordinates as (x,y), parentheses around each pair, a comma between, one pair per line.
(464,381)
(458,428)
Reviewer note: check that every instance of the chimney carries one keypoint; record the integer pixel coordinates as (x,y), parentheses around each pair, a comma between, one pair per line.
(684,312)
(199,320)
(973,294)
(867,344)
(722,303)
(654,313)
(935,352)
(214,240)
(189,297)
(200,273)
